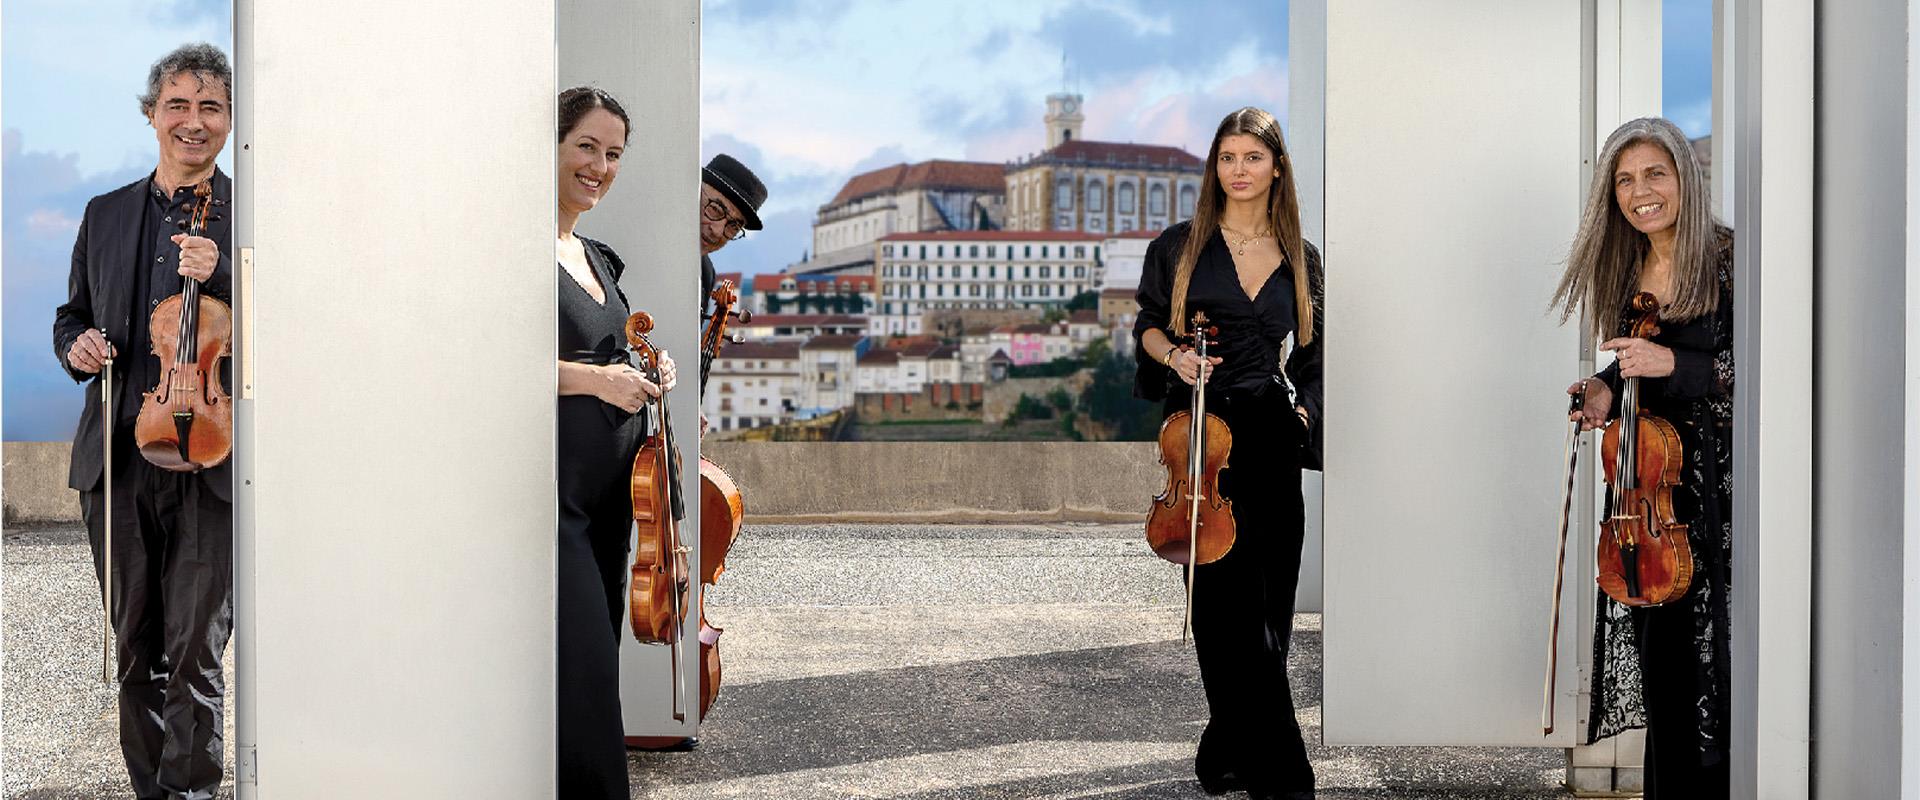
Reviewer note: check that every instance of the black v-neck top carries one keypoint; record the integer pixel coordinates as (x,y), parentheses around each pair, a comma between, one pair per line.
(1253,331)
(591,331)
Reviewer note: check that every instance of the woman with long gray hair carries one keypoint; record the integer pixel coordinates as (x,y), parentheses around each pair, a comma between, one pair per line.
(1648,227)
(1243,261)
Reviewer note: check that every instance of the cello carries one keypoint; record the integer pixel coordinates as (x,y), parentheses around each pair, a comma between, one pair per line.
(720,501)
(1643,556)
(657,594)
(186,420)
(1190,522)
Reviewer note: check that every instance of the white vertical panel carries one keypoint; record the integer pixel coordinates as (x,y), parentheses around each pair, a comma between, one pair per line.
(1453,179)
(1910,601)
(1773,84)
(1307,148)
(648,56)
(395,513)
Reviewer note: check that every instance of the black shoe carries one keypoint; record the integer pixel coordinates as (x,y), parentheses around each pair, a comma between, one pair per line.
(1221,784)
(674,746)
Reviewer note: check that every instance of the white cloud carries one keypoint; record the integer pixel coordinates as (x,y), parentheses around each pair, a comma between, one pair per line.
(73,71)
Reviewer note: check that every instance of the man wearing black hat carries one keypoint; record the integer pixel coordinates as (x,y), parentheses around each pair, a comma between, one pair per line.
(730,200)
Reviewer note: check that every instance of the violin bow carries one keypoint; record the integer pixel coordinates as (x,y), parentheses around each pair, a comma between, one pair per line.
(1196,449)
(106,538)
(1572,457)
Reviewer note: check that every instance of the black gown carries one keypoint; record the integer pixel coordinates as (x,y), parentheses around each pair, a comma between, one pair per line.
(1665,667)
(596,445)
(1243,603)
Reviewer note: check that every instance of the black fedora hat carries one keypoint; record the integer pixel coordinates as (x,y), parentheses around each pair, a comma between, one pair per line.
(732,178)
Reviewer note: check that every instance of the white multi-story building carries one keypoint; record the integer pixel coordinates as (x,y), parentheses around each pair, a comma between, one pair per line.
(1124,255)
(828,373)
(797,327)
(753,384)
(979,270)
(908,369)
(904,198)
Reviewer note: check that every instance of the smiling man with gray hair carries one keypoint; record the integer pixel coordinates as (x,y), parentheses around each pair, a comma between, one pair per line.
(171,542)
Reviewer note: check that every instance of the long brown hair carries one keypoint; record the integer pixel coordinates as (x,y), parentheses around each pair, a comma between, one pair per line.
(1283,216)
(1604,265)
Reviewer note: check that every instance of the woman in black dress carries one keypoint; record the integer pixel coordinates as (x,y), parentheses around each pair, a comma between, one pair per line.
(599,432)
(1648,228)
(1242,260)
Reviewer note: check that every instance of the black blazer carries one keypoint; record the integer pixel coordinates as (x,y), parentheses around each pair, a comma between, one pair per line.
(100,295)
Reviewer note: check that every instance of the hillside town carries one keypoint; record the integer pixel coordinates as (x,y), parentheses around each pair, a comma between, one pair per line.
(957,299)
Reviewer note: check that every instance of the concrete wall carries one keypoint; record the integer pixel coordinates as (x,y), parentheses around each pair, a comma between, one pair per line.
(1859,320)
(36,483)
(941,482)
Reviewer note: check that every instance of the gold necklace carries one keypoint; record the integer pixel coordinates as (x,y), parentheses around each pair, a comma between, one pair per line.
(1240,247)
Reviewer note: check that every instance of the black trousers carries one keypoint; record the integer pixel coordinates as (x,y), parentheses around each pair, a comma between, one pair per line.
(1243,603)
(1669,675)
(596,519)
(173,614)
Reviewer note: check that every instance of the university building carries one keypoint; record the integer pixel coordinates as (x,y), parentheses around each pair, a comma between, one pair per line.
(920,272)
(1098,187)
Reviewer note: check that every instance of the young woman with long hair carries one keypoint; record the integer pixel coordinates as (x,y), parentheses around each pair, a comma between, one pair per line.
(1242,260)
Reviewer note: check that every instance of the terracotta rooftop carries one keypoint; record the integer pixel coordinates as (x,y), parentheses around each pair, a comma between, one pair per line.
(1121,153)
(1118,292)
(760,350)
(994,236)
(771,320)
(833,341)
(1085,315)
(845,281)
(880,358)
(963,175)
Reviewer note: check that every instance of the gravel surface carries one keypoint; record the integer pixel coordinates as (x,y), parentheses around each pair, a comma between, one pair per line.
(914,662)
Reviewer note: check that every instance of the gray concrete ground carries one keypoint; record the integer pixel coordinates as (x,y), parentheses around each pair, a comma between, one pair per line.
(862,661)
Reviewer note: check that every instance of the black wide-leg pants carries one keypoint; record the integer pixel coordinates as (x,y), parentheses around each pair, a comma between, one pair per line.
(1670,687)
(173,615)
(1243,603)
(596,521)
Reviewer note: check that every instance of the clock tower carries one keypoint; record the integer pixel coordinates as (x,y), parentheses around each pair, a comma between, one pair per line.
(1064,120)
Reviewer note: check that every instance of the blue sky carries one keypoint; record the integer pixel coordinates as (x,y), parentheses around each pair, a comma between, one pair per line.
(807,92)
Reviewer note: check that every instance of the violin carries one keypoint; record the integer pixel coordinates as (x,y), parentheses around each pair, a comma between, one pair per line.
(1190,523)
(720,502)
(186,420)
(657,594)
(1643,555)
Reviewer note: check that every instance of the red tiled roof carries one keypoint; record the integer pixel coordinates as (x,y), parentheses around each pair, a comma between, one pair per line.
(1033,327)
(843,282)
(879,358)
(761,350)
(965,175)
(736,277)
(1000,355)
(1086,315)
(944,351)
(920,349)
(833,341)
(1123,153)
(1118,292)
(994,236)
(770,320)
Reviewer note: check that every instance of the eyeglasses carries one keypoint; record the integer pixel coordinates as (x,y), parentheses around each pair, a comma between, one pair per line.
(714,211)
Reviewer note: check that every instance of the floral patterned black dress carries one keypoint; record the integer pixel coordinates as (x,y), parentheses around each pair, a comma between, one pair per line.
(1665,668)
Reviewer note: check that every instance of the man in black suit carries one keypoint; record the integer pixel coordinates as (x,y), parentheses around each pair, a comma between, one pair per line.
(730,200)
(172,537)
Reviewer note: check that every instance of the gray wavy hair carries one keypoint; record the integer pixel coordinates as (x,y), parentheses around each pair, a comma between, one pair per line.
(202,60)
(1603,266)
